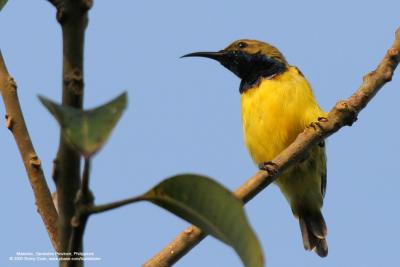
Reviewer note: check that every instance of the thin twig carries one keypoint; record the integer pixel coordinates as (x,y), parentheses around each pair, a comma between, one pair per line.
(114,205)
(344,113)
(16,124)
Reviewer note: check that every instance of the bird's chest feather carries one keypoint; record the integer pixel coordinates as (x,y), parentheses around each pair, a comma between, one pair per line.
(275,112)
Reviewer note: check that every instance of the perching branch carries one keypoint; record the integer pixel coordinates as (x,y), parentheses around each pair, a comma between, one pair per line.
(16,124)
(72,16)
(344,113)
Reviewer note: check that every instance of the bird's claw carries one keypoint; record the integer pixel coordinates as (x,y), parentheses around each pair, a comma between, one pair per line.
(269,166)
(316,124)
(322,119)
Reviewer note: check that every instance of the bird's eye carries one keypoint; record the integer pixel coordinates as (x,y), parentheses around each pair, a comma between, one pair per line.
(241,45)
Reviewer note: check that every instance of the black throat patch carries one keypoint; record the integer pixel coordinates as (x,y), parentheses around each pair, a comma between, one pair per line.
(268,68)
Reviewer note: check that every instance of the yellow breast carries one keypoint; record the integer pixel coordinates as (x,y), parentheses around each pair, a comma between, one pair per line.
(275,112)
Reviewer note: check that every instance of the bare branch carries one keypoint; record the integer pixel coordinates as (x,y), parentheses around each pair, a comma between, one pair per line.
(344,113)
(16,124)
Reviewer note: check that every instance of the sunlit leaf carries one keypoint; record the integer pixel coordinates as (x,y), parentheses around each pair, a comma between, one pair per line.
(213,208)
(2,4)
(87,130)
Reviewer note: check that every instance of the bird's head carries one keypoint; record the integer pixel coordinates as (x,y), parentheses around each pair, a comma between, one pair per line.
(249,60)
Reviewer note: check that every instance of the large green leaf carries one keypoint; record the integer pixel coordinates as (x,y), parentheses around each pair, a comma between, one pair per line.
(213,208)
(87,130)
(2,4)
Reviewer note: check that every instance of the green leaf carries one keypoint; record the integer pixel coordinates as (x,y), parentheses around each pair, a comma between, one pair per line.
(87,130)
(2,4)
(210,206)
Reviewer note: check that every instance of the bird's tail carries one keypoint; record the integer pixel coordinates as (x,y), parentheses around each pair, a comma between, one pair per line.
(314,231)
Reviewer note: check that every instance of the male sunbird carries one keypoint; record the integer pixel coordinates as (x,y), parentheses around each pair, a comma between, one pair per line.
(277,104)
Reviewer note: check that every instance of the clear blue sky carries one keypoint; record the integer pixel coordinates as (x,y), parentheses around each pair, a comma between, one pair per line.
(184,116)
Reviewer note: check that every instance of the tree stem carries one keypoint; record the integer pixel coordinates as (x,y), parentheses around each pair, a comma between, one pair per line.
(72,16)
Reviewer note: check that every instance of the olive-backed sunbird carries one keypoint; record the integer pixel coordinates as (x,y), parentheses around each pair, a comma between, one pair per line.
(277,104)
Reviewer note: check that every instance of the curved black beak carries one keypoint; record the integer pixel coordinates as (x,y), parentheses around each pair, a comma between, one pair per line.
(218,56)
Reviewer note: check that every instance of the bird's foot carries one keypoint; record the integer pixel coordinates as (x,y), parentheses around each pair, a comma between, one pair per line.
(269,166)
(317,124)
